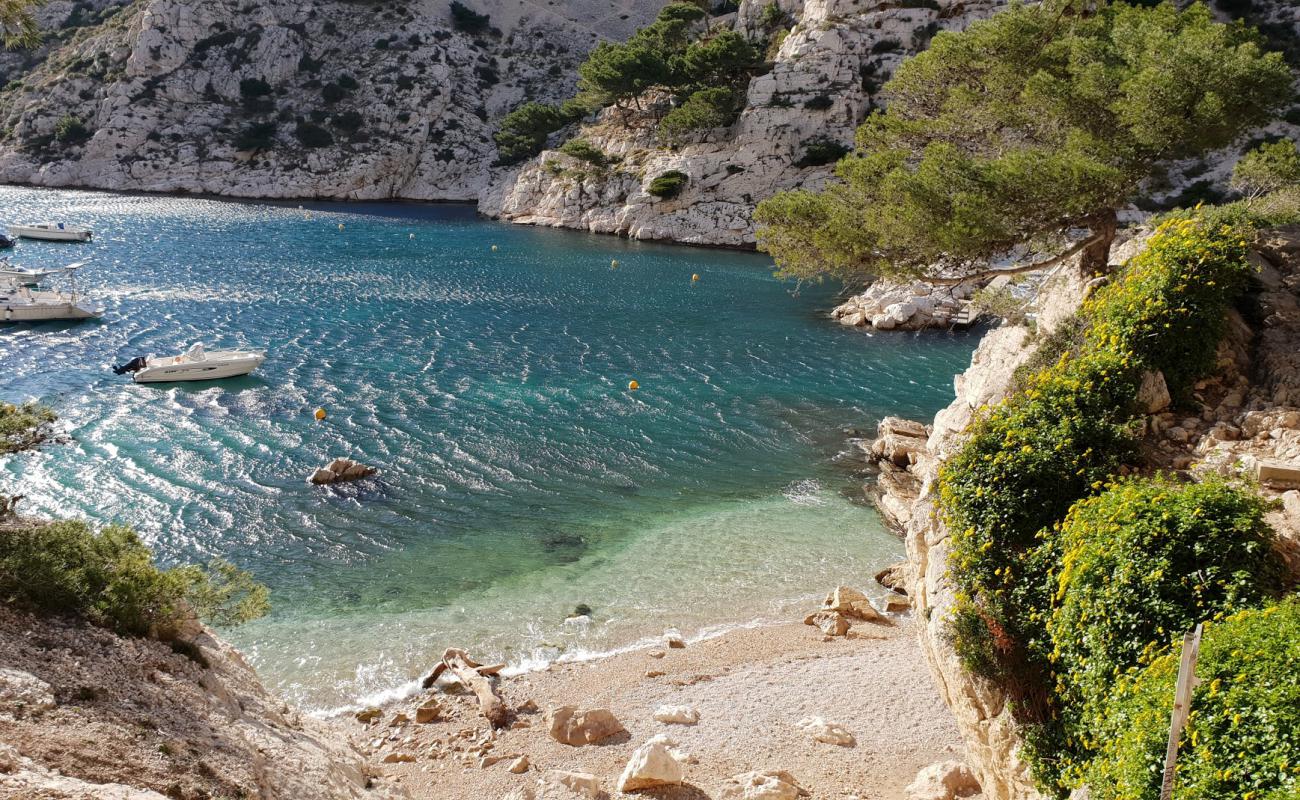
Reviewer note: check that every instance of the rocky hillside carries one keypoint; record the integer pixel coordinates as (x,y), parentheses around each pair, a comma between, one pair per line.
(345,99)
(828,61)
(85,713)
(1245,415)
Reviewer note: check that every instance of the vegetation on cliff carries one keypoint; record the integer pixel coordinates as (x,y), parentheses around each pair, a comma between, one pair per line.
(110,578)
(23,426)
(1070,577)
(17,27)
(1001,139)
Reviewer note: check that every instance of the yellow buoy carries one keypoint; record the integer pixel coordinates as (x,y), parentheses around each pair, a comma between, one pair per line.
(695,277)
(633,386)
(613,264)
(340,226)
(412,236)
(494,248)
(320,414)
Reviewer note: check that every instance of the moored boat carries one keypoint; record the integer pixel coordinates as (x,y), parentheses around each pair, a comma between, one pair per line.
(52,232)
(5,242)
(19,302)
(195,364)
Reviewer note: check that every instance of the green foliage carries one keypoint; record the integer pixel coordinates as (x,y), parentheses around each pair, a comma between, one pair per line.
(254,87)
(348,121)
(524,131)
(1139,564)
(668,185)
(1022,127)
(71,130)
(703,110)
(110,578)
(583,150)
(772,17)
(312,135)
(717,61)
(465,19)
(820,152)
(257,136)
(24,426)
(1243,733)
(17,25)
(1052,610)
(1268,168)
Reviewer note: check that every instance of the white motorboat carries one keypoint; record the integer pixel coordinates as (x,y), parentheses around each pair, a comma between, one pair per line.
(23,276)
(52,232)
(19,302)
(195,364)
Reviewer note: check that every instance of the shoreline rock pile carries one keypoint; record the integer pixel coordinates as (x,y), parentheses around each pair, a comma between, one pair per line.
(890,305)
(841,608)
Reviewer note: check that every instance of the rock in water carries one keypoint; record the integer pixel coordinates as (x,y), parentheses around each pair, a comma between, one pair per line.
(341,469)
(652,764)
(768,784)
(570,726)
(852,603)
(674,639)
(677,715)
(828,732)
(943,781)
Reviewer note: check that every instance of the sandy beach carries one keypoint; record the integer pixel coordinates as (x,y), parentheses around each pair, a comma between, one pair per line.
(750,688)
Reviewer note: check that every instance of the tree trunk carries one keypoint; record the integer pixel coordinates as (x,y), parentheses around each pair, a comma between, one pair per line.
(1096,256)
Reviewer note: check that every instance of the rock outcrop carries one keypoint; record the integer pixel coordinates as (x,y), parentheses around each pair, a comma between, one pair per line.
(85,713)
(571,726)
(652,764)
(891,305)
(282,99)
(341,470)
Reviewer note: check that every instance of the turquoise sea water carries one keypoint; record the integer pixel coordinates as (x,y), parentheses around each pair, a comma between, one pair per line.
(518,477)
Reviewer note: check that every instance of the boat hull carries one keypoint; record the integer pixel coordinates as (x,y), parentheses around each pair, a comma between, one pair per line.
(47,313)
(51,234)
(197,371)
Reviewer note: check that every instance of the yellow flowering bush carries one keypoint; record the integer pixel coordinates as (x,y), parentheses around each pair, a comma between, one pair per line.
(1059,439)
(1242,739)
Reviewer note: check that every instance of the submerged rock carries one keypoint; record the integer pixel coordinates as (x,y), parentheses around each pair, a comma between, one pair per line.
(341,469)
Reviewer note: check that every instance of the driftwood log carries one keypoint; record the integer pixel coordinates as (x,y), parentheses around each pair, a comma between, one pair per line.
(475,677)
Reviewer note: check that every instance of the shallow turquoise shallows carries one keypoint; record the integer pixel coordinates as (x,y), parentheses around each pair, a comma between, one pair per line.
(519,478)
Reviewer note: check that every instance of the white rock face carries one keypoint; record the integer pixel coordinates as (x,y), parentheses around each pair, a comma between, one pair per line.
(166,87)
(822,85)
(652,764)
(828,732)
(894,305)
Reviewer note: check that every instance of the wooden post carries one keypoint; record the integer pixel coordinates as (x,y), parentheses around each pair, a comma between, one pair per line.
(1182,707)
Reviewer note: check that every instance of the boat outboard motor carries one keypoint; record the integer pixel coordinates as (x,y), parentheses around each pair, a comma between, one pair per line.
(134,365)
(5,242)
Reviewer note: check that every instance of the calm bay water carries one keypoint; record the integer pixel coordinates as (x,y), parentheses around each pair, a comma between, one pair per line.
(518,475)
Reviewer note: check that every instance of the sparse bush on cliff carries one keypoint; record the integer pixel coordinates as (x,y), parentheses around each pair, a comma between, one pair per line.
(584,150)
(257,136)
(23,426)
(110,578)
(71,130)
(668,185)
(465,19)
(312,135)
(819,152)
(1243,733)
(703,110)
(1271,167)
(524,131)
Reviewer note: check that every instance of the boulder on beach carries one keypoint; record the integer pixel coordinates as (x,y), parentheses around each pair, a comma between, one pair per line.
(852,603)
(768,784)
(582,784)
(945,780)
(677,715)
(652,764)
(572,726)
(673,639)
(341,469)
(827,732)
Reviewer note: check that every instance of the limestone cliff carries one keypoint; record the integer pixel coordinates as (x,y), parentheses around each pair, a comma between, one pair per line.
(1246,414)
(342,99)
(85,713)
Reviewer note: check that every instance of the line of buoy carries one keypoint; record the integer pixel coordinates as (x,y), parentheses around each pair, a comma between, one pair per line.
(632,386)
(340,226)
(320,414)
(695,277)
(494,248)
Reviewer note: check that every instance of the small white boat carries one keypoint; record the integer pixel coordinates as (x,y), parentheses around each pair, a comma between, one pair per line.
(21,303)
(52,232)
(23,276)
(195,364)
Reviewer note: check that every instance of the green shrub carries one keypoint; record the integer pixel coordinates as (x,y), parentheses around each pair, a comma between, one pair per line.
(110,578)
(524,131)
(311,135)
(1140,564)
(24,426)
(1243,735)
(258,136)
(584,150)
(820,152)
(703,110)
(331,93)
(465,19)
(71,130)
(1058,440)
(348,121)
(669,184)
